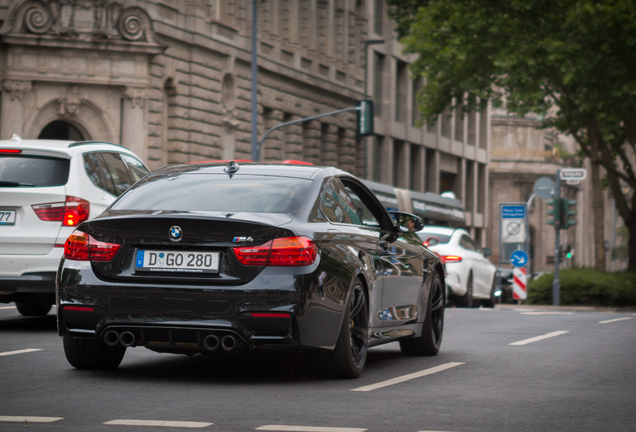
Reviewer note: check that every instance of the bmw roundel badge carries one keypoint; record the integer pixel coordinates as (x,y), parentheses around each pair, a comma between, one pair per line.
(175,233)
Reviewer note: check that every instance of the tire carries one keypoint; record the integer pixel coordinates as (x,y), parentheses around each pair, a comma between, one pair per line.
(491,300)
(467,299)
(348,358)
(33,308)
(429,342)
(92,354)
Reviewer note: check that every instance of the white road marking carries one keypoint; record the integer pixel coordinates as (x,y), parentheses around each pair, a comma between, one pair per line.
(614,320)
(7,307)
(287,428)
(8,353)
(408,377)
(28,419)
(538,338)
(545,313)
(524,310)
(155,423)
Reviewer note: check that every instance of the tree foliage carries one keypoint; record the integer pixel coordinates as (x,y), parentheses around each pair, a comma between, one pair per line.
(572,61)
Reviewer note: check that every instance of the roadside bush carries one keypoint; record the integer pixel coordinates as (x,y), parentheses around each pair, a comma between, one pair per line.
(586,287)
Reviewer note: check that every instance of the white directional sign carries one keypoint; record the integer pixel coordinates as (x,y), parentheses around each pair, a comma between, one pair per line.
(573,173)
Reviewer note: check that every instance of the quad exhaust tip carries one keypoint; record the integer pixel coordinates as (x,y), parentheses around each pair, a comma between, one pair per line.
(111,338)
(228,342)
(211,342)
(127,339)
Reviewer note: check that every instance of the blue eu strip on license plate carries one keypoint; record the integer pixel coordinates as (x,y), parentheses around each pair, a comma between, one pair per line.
(140,259)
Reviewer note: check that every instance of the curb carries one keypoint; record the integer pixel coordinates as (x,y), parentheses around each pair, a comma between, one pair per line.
(568,308)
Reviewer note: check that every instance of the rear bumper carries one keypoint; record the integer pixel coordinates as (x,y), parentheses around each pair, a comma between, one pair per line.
(27,286)
(177,318)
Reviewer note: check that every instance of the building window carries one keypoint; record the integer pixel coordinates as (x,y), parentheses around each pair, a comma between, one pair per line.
(401,78)
(447,118)
(483,125)
(378,75)
(416,114)
(481,188)
(60,130)
(376,172)
(431,169)
(378,15)
(416,182)
(470,186)
(399,163)
(459,122)
(472,128)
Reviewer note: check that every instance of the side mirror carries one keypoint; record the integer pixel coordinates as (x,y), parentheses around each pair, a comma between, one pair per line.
(407,222)
(487,251)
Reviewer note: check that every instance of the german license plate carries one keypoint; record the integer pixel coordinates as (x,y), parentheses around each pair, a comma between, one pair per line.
(7,217)
(177,262)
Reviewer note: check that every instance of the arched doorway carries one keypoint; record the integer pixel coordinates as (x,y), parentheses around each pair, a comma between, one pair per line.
(61,130)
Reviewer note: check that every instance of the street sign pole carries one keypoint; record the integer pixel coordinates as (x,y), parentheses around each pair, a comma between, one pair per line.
(556,286)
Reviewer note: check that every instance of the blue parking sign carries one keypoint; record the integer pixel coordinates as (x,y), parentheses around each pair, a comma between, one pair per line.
(519,258)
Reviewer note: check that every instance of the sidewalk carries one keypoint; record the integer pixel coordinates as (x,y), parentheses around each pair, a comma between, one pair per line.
(568,308)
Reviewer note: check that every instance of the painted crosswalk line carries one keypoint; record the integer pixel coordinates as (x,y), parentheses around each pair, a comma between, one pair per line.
(29,419)
(159,423)
(297,428)
(614,320)
(24,351)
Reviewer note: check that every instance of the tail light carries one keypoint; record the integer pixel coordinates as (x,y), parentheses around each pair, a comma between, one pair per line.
(10,151)
(70,213)
(280,252)
(452,258)
(82,247)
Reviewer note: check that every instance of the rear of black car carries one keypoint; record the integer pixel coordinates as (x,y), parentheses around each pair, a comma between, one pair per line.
(192,260)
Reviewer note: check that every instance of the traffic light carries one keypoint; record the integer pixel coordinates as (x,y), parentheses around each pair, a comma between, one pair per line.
(554,211)
(364,118)
(568,209)
(565,252)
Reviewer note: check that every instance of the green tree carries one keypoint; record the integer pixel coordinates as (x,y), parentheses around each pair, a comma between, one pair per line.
(572,61)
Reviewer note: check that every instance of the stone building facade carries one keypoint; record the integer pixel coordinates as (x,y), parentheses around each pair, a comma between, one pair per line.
(170,79)
(522,152)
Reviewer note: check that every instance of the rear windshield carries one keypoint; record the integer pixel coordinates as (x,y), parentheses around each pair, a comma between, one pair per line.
(33,171)
(433,239)
(216,192)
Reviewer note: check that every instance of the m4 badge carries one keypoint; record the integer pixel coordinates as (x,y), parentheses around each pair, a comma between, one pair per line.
(242,239)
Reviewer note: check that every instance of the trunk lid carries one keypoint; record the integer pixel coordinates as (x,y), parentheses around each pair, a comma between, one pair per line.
(202,235)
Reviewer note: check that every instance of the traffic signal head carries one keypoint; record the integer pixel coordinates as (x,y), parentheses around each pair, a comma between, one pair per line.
(565,251)
(554,210)
(568,213)
(365,118)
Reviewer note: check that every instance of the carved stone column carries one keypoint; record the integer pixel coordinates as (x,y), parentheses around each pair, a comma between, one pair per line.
(134,127)
(12,118)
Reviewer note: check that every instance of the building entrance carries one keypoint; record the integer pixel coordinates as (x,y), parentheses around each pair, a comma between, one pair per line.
(61,130)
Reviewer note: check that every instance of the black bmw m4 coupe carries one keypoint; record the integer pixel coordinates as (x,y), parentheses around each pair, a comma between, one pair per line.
(213,258)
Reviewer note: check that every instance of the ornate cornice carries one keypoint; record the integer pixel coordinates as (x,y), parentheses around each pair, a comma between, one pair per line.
(46,22)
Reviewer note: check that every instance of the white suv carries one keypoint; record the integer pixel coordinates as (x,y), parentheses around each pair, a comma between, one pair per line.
(47,188)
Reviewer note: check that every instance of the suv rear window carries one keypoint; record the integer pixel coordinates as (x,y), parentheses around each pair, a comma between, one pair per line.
(216,192)
(33,171)
(433,239)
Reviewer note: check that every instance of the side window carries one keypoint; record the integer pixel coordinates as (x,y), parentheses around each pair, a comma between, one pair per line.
(137,169)
(365,214)
(117,173)
(337,206)
(94,171)
(467,243)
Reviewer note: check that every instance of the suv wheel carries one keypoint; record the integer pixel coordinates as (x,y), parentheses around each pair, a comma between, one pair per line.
(33,308)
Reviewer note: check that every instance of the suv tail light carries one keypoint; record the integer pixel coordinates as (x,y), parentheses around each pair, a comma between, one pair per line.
(280,252)
(82,247)
(70,213)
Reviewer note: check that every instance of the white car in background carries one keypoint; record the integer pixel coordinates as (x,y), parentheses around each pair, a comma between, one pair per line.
(47,188)
(470,276)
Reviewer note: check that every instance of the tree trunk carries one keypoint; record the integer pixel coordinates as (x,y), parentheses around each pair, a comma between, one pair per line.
(598,203)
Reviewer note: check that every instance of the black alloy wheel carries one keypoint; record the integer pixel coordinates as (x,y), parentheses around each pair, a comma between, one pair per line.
(348,358)
(429,342)
(467,299)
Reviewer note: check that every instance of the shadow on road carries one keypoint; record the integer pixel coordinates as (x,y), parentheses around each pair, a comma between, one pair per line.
(30,324)
(258,367)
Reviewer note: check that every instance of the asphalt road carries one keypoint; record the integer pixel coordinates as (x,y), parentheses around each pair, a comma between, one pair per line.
(493,373)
